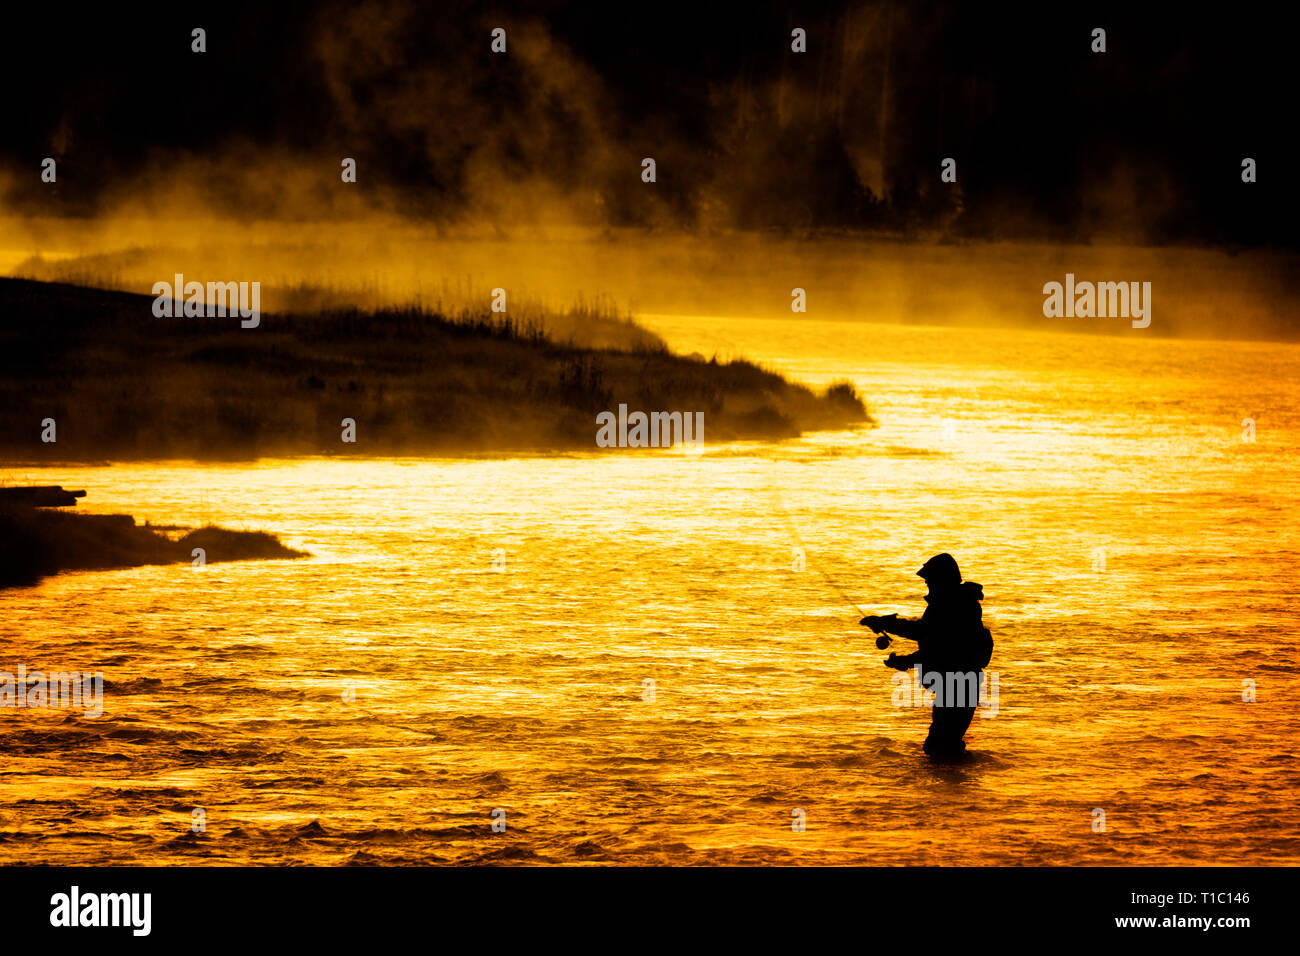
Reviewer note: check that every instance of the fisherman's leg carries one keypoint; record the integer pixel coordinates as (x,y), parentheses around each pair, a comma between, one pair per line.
(937,741)
(961,719)
(947,726)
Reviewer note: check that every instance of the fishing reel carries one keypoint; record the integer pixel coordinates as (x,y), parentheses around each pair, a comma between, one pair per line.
(877,623)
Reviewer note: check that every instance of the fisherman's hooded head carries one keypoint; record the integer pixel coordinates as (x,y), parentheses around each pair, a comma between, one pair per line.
(941,572)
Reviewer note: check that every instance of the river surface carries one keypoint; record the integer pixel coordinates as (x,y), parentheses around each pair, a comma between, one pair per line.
(613,657)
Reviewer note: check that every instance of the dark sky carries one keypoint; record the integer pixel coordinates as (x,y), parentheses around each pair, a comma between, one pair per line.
(1051,139)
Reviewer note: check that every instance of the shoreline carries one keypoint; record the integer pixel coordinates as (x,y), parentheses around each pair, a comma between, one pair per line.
(93,375)
(441,454)
(43,542)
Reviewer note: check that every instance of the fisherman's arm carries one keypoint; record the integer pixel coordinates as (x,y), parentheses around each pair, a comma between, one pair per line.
(903,662)
(893,624)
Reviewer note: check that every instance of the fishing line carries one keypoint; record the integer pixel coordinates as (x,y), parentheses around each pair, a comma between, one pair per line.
(794,533)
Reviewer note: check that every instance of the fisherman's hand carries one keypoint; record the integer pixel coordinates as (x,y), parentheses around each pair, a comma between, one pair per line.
(877,623)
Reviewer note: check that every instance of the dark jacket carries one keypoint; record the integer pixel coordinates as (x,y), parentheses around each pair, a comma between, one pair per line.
(950,634)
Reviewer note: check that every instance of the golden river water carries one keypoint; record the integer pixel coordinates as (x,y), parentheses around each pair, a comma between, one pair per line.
(481,635)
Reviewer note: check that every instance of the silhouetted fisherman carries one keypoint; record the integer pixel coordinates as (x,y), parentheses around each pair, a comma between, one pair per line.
(954,648)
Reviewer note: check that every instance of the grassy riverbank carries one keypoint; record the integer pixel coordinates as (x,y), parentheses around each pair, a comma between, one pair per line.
(121,384)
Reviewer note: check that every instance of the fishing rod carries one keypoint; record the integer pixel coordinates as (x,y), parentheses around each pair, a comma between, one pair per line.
(794,533)
(883,640)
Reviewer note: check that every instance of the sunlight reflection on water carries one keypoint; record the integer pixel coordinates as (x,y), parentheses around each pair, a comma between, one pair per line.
(522,689)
